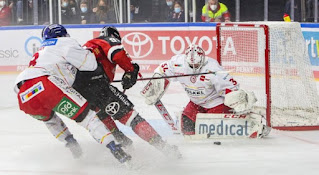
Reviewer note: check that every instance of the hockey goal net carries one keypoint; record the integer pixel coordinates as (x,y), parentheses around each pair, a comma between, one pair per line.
(271,59)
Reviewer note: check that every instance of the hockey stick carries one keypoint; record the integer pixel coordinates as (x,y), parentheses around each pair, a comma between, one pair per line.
(175,76)
(164,113)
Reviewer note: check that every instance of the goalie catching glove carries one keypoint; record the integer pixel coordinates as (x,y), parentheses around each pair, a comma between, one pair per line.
(129,78)
(241,101)
(154,89)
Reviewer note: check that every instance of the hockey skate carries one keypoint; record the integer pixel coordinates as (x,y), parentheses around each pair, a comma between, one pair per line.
(171,151)
(74,147)
(168,150)
(118,152)
(122,139)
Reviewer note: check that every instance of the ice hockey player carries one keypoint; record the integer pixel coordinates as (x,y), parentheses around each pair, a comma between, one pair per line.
(209,93)
(44,88)
(109,53)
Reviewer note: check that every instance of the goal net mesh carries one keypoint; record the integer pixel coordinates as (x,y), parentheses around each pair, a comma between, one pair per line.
(290,82)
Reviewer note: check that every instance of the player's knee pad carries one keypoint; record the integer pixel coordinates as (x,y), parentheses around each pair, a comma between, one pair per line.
(57,127)
(188,125)
(96,128)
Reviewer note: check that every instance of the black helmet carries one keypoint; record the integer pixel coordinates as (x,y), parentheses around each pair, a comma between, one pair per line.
(110,31)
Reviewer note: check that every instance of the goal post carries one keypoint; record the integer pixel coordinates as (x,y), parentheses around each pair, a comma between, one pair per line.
(271,59)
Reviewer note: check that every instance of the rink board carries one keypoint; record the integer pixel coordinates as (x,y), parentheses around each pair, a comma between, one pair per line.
(148,44)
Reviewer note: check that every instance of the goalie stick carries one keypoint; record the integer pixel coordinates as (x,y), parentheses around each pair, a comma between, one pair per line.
(164,113)
(175,76)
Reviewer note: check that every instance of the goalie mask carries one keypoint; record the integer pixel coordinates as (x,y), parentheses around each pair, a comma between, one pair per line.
(195,57)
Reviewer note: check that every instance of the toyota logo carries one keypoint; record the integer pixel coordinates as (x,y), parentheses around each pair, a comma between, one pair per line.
(141,44)
(112,108)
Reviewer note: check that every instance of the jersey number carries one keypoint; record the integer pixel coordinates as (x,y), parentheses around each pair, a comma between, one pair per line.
(33,62)
(233,81)
(164,67)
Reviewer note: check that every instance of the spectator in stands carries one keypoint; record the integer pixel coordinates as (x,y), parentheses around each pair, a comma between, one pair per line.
(134,11)
(102,13)
(137,11)
(310,9)
(86,13)
(297,9)
(169,9)
(178,14)
(5,14)
(20,11)
(215,11)
(24,12)
(69,12)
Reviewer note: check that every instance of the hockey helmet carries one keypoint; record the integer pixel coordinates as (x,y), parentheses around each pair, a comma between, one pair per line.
(54,31)
(195,57)
(110,31)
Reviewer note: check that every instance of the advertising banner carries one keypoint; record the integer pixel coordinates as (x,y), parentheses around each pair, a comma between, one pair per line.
(148,45)
(151,47)
(312,41)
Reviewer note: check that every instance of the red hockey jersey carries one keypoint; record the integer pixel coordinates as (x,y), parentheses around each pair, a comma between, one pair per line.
(110,52)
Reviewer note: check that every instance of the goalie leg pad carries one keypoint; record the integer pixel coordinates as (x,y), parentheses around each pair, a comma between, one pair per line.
(259,126)
(229,125)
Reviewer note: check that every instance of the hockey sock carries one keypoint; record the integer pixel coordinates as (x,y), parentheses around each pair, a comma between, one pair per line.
(143,129)
(110,124)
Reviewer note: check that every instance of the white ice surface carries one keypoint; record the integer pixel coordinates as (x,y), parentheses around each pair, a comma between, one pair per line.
(27,148)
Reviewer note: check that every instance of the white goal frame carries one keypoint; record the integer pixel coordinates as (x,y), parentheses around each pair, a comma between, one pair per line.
(267,73)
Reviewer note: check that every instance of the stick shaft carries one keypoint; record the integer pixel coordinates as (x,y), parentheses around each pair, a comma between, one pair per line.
(164,113)
(174,76)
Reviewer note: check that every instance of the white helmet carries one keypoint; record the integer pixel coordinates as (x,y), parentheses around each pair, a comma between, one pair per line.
(195,57)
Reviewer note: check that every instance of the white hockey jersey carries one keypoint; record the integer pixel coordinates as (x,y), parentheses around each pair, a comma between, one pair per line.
(59,57)
(204,90)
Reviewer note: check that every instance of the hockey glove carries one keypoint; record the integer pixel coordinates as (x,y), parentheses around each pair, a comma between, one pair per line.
(129,78)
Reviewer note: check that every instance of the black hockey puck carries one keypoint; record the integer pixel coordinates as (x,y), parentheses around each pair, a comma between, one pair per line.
(217,143)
